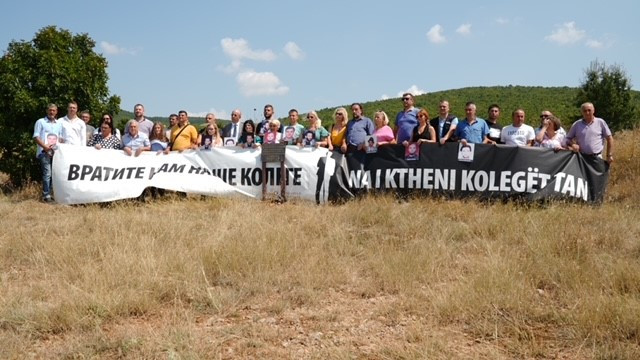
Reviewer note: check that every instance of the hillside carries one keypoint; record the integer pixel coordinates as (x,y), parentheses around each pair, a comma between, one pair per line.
(533,99)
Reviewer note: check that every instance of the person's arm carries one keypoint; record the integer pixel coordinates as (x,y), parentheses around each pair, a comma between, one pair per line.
(432,135)
(127,150)
(199,141)
(609,149)
(449,134)
(540,137)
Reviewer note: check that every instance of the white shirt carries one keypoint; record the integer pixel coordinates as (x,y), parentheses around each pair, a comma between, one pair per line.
(517,136)
(74,131)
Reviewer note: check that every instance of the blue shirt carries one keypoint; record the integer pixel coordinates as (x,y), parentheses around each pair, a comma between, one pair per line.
(473,133)
(134,143)
(406,121)
(45,129)
(358,130)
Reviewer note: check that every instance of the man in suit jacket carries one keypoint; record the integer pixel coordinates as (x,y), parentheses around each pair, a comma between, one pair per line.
(445,124)
(234,128)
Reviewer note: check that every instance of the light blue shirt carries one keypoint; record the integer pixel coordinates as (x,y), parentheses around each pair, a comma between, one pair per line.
(406,121)
(134,143)
(45,127)
(473,133)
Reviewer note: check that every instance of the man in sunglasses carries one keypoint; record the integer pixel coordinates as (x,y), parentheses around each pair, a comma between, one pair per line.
(546,114)
(406,120)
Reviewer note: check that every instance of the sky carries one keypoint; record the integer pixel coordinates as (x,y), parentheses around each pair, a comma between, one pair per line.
(216,56)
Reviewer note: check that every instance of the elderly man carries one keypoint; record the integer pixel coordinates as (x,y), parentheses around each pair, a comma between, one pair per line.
(85,115)
(588,135)
(472,129)
(45,134)
(407,119)
(518,133)
(233,129)
(134,141)
(358,128)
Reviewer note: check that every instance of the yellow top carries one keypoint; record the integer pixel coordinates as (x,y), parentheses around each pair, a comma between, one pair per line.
(187,137)
(337,136)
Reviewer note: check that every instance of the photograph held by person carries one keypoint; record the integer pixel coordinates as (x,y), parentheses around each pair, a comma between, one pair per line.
(210,137)
(43,128)
(321,135)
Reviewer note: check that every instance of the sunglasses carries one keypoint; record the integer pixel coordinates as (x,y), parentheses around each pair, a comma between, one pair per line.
(406,99)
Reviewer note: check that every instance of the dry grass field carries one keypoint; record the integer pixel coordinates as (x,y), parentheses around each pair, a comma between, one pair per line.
(373,279)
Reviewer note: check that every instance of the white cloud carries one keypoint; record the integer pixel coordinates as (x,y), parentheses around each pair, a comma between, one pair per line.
(238,49)
(113,49)
(502,21)
(435,34)
(594,44)
(464,29)
(220,114)
(254,83)
(384,97)
(414,90)
(232,68)
(566,34)
(293,50)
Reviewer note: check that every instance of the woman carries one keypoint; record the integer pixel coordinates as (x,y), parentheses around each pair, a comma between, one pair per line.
(210,137)
(337,138)
(248,138)
(423,132)
(549,137)
(158,138)
(109,118)
(273,136)
(321,135)
(383,133)
(105,138)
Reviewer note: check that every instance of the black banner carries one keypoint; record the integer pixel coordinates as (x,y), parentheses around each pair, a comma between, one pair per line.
(496,171)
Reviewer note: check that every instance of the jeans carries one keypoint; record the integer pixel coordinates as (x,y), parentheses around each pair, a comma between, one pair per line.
(45,165)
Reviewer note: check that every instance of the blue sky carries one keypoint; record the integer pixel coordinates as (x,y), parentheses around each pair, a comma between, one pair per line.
(205,56)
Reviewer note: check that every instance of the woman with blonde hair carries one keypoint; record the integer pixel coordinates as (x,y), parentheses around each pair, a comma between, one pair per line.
(158,137)
(321,135)
(337,138)
(383,133)
(210,137)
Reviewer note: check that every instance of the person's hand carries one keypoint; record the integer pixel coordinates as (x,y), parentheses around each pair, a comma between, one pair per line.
(138,152)
(343,148)
(463,142)
(98,146)
(405,143)
(442,141)
(575,147)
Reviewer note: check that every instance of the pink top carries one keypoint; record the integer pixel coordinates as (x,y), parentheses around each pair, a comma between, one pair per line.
(384,134)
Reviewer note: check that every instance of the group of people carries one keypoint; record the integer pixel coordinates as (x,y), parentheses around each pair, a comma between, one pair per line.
(413,126)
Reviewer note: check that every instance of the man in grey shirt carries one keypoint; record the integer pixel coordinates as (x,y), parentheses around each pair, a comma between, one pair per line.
(588,135)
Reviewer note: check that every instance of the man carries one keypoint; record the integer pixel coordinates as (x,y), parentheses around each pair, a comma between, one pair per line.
(234,128)
(294,117)
(263,127)
(406,120)
(209,119)
(134,142)
(358,128)
(145,125)
(45,131)
(73,128)
(544,115)
(588,135)
(445,124)
(494,128)
(518,133)
(472,129)
(173,120)
(85,115)
(184,135)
